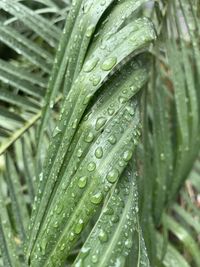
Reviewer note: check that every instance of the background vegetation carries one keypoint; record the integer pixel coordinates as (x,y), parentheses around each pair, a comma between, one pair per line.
(99,133)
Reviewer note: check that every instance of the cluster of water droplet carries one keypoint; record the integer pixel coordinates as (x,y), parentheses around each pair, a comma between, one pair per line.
(103,146)
(121,209)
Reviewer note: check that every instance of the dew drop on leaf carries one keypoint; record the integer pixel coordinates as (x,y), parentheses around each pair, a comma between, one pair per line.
(96,80)
(96,198)
(90,64)
(112,176)
(79,227)
(103,237)
(82,182)
(111,111)
(43,246)
(91,166)
(41,176)
(122,99)
(108,211)
(87,99)
(128,243)
(90,30)
(55,224)
(127,155)
(79,152)
(162,156)
(112,139)
(79,263)
(56,131)
(71,236)
(121,163)
(89,138)
(58,209)
(74,124)
(115,218)
(102,2)
(94,258)
(62,247)
(99,152)
(109,63)
(100,123)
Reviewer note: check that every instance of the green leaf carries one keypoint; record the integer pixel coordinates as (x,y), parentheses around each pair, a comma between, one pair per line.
(19,207)
(58,70)
(172,258)
(110,240)
(40,25)
(22,74)
(8,248)
(127,41)
(86,195)
(184,236)
(34,53)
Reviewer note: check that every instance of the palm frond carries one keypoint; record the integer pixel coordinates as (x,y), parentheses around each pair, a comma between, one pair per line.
(171,121)
(23,91)
(78,185)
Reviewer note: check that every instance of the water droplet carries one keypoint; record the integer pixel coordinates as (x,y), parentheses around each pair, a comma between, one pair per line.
(94,259)
(56,131)
(122,100)
(89,137)
(71,236)
(82,182)
(106,188)
(90,30)
(162,156)
(90,64)
(51,104)
(127,155)
(58,209)
(79,263)
(99,152)
(109,63)
(111,111)
(115,218)
(74,124)
(121,163)
(103,3)
(112,176)
(79,152)
(130,110)
(41,176)
(97,198)
(91,166)
(100,123)
(96,80)
(109,211)
(62,247)
(43,246)
(55,224)
(128,243)
(103,237)
(87,99)
(79,227)
(112,139)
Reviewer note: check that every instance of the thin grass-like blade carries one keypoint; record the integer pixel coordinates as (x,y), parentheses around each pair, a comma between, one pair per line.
(172,258)
(184,236)
(34,53)
(19,206)
(37,23)
(7,244)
